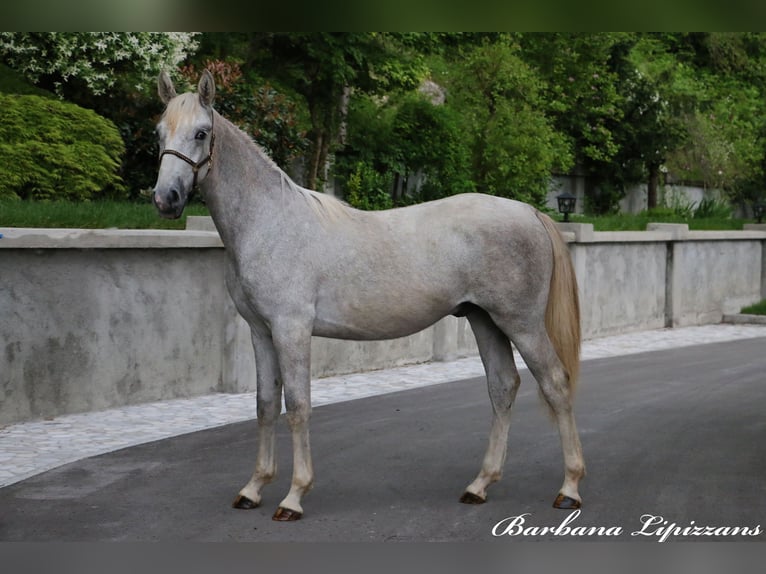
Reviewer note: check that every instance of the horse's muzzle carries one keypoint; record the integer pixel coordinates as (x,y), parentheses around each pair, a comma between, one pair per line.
(171,207)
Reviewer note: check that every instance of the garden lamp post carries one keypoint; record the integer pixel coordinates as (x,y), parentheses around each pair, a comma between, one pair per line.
(566,204)
(759,208)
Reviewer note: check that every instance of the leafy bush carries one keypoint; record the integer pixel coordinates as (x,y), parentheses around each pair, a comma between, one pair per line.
(711,207)
(269,115)
(403,137)
(367,189)
(427,138)
(56,150)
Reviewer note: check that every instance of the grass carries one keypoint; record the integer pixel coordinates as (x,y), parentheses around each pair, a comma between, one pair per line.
(628,222)
(757,309)
(101,214)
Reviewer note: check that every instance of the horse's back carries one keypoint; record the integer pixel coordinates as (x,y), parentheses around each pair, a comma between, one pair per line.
(399,270)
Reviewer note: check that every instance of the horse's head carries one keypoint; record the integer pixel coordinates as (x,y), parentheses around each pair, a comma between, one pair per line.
(186,143)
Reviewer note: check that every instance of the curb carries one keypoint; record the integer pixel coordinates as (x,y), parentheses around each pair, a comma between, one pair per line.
(742,319)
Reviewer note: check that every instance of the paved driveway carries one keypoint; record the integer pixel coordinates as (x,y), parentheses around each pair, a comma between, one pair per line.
(675,434)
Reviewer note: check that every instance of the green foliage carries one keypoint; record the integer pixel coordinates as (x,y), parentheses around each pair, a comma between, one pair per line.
(93,61)
(112,73)
(621,107)
(581,88)
(638,222)
(514,145)
(97,214)
(55,150)
(712,208)
(757,309)
(368,189)
(403,138)
(680,205)
(324,67)
(12,82)
(429,140)
(604,198)
(269,115)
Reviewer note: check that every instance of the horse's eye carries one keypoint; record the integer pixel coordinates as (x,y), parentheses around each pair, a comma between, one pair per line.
(200,135)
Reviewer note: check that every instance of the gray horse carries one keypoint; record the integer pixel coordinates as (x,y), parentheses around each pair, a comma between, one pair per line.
(300,263)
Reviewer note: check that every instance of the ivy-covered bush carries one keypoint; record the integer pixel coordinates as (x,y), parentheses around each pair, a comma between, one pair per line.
(56,150)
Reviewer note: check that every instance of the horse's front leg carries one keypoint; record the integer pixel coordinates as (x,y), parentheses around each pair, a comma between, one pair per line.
(269,401)
(292,340)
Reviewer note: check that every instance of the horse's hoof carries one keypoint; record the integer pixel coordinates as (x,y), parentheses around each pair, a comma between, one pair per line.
(243,503)
(471,498)
(566,503)
(286,515)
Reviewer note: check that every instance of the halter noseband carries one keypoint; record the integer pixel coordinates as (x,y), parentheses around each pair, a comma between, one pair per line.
(194,165)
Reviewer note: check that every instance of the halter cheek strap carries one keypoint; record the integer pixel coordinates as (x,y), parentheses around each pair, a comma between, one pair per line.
(208,160)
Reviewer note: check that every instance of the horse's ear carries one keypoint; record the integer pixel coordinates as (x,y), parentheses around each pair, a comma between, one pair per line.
(206,88)
(165,87)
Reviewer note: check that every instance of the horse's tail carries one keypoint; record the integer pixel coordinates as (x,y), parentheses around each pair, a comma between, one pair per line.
(562,315)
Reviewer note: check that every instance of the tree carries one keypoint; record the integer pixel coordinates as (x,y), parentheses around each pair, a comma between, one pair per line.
(515,147)
(393,140)
(325,68)
(582,96)
(726,145)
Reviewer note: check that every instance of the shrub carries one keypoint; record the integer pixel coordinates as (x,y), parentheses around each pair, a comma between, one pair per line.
(269,115)
(713,208)
(367,189)
(56,150)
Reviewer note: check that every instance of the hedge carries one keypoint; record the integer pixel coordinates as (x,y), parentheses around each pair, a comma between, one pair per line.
(52,149)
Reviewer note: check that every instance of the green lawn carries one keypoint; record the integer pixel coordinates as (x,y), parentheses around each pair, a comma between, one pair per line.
(628,222)
(101,214)
(757,309)
(142,215)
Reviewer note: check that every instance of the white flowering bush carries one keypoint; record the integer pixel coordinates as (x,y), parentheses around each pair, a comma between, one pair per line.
(97,59)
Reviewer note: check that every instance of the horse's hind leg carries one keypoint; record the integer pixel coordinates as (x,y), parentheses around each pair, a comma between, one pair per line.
(502,382)
(543,362)
(269,406)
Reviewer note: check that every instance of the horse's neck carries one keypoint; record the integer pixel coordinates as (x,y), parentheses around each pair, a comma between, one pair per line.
(248,193)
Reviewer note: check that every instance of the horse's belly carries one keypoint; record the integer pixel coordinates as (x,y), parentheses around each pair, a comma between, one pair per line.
(374,323)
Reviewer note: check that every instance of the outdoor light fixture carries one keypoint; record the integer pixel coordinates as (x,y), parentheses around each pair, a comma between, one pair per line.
(759,209)
(566,204)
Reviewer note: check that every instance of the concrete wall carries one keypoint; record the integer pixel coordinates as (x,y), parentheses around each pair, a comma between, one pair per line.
(621,289)
(96,319)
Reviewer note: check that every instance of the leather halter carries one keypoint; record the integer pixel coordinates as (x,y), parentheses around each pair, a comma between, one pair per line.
(194,165)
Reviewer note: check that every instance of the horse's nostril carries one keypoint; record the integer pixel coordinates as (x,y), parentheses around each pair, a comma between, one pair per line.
(174,197)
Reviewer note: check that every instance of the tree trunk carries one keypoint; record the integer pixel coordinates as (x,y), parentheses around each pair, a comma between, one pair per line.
(654,179)
(329,128)
(345,98)
(315,161)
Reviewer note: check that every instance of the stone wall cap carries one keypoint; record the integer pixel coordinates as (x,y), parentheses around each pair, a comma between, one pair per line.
(43,238)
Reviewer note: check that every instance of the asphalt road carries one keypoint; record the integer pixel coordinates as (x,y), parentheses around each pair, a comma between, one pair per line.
(677,434)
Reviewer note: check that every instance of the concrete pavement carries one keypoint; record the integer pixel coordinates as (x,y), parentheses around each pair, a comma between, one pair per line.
(673,440)
(27,449)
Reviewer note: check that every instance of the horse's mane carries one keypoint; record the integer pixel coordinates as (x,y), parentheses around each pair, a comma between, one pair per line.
(326,206)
